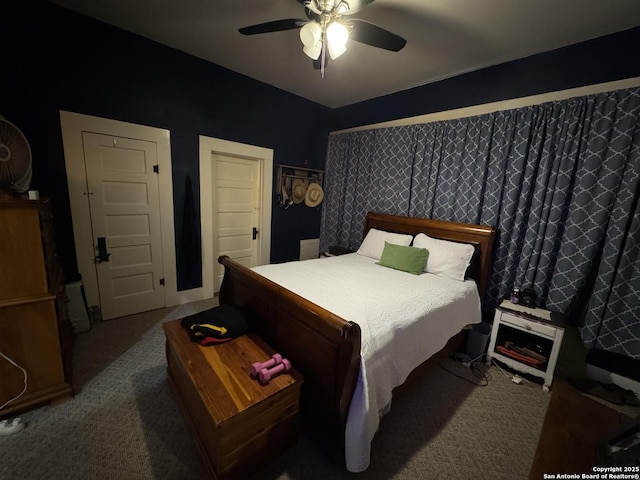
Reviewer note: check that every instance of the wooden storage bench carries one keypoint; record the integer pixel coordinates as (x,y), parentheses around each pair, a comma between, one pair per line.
(237,424)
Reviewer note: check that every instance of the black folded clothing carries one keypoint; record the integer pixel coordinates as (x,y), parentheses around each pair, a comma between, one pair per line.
(216,325)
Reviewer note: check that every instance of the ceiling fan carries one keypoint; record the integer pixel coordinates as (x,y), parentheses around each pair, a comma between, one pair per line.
(326,31)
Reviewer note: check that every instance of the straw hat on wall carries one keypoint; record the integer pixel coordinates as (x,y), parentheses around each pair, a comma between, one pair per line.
(298,191)
(314,195)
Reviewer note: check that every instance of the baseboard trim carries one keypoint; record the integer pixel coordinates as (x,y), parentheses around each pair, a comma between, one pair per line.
(605,376)
(192,295)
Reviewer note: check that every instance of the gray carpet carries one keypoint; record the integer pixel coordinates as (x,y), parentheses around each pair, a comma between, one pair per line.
(124,424)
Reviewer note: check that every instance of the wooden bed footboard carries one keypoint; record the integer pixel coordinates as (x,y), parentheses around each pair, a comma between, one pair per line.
(324,347)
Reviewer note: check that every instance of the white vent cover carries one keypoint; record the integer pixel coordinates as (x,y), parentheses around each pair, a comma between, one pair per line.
(309,248)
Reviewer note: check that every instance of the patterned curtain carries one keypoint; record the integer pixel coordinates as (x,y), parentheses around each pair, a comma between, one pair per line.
(559,180)
(365,171)
(613,311)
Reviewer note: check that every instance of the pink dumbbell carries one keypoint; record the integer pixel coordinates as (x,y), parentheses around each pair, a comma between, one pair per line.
(267,374)
(275,359)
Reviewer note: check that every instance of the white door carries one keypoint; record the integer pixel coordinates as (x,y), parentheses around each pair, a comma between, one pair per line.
(125,219)
(236,207)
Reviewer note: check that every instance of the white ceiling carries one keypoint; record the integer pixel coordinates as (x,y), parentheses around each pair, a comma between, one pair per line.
(444,38)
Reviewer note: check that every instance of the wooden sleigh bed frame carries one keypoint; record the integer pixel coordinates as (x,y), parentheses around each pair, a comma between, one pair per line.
(324,347)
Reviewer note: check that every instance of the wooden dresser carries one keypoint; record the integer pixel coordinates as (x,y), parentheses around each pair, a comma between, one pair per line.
(35,330)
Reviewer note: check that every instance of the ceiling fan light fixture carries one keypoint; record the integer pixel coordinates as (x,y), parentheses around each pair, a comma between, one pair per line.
(313,51)
(342,8)
(335,52)
(310,34)
(324,35)
(337,36)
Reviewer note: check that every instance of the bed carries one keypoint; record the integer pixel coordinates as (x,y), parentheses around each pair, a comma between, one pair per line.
(350,373)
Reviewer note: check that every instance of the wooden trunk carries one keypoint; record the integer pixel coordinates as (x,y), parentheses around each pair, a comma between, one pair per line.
(237,423)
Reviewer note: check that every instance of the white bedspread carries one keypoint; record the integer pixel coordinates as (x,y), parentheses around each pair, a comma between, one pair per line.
(405,319)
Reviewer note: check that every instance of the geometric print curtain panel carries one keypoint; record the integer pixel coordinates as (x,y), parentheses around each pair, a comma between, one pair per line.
(613,314)
(365,171)
(559,180)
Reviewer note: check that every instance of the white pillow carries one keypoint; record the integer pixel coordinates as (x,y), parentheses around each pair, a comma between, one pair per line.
(448,259)
(373,244)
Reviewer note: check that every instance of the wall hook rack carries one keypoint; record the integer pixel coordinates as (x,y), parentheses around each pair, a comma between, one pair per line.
(287,174)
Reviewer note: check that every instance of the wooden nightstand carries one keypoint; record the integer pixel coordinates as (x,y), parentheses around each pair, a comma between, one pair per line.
(335,250)
(526,339)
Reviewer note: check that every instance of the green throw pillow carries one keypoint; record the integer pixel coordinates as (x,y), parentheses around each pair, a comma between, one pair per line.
(407,259)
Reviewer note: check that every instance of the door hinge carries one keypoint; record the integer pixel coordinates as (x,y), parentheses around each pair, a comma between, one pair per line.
(156,169)
(162,282)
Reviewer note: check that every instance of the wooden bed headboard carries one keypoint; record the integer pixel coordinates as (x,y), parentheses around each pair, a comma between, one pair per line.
(480,236)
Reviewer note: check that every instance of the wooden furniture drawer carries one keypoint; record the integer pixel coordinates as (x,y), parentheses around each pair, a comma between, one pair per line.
(23,268)
(238,424)
(529,325)
(29,335)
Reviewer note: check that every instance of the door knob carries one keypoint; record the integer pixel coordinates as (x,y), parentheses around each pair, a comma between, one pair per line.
(255,233)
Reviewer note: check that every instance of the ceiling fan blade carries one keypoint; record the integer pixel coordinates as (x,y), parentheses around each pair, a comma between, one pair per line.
(370,34)
(275,26)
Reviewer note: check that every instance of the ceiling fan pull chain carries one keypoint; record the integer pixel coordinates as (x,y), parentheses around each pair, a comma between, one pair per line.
(324,54)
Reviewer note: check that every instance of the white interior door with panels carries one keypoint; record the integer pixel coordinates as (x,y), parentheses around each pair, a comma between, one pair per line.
(122,183)
(235,204)
(114,193)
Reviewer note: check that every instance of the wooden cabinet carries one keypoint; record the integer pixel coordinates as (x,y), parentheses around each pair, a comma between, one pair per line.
(35,330)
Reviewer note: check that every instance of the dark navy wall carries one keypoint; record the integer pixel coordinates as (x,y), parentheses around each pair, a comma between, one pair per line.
(604,59)
(56,60)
